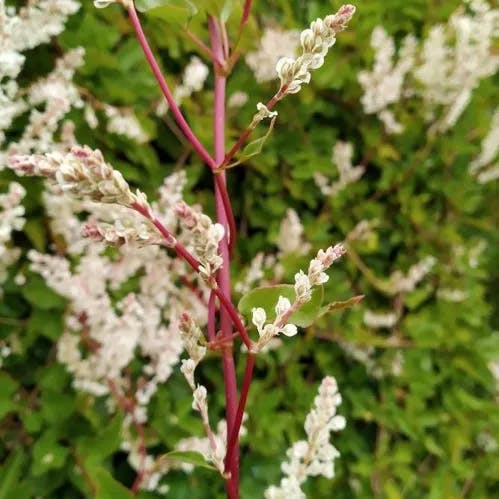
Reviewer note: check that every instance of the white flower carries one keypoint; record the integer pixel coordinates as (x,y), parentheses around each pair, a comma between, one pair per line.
(283,305)
(315,43)
(303,287)
(258,318)
(274,44)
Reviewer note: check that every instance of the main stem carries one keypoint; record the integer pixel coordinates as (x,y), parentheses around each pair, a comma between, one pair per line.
(223,279)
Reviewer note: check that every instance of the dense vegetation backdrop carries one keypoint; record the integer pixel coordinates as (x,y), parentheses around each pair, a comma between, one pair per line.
(419,391)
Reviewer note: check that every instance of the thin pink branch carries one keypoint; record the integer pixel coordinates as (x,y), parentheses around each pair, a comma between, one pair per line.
(245,16)
(204,48)
(177,114)
(233,439)
(244,136)
(189,258)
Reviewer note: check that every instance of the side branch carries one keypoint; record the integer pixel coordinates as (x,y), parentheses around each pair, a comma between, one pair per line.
(189,258)
(177,114)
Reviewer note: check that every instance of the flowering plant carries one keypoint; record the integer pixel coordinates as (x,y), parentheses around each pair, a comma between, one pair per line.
(148,310)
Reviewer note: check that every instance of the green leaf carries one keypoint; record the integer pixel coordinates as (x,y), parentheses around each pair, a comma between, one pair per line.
(8,387)
(48,454)
(9,475)
(266,297)
(107,487)
(40,295)
(190,457)
(340,305)
(171,11)
(254,147)
(95,448)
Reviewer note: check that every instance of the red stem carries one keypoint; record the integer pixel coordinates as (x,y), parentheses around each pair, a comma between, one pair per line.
(177,114)
(223,278)
(185,255)
(245,16)
(204,48)
(211,317)
(233,441)
(222,188)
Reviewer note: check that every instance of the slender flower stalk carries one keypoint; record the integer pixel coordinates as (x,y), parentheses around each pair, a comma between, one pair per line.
(177,114)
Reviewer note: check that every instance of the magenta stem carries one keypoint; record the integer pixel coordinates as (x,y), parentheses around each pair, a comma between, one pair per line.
(233,440)
(211,317)
(223,279)
(185,255)
(177,114)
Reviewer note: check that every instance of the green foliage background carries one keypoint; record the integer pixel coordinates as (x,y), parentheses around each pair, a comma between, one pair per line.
(412,435)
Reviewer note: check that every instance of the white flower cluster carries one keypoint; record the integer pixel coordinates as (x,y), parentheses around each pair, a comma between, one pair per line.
(274,44)
(444,71)
(82,172)
(192,338)
(50,98)
(452,295)
(253,275)
(303,293)
(204,237)
(378,320)
(122,121)
(102,338)
(384,84)
(455,57)
(315,43)
(482,167)
(193,80)
(365,355)
(316,272)
(128,229)
(314,456)
(400,283)
(290,239)
(11,219)
(342,158)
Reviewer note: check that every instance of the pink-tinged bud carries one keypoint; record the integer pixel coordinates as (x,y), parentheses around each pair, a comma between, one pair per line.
(92,231)
(347,10)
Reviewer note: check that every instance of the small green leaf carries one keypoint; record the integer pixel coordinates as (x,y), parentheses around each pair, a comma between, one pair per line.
(340,305)
(171,11)
(266,297)
(107,486)
(254,147)
(8,387)
(40,295)
(9,475)
(190,457)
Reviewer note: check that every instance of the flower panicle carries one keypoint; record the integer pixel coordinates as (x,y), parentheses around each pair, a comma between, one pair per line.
(82,173)
(315,43)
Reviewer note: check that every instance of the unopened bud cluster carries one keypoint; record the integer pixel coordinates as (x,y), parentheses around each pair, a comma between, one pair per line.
(304,283)
(205,237)
(316,272)
(82,172)
(123,231)
(315,43)
(191,338)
